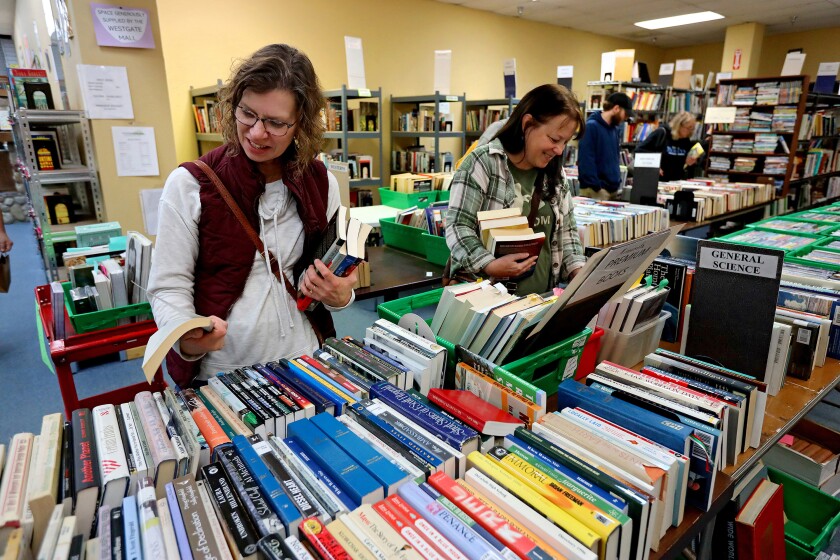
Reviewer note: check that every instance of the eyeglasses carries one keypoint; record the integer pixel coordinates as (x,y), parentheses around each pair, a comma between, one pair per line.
(272,126)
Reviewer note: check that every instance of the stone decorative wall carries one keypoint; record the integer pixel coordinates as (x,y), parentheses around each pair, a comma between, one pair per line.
(14,207)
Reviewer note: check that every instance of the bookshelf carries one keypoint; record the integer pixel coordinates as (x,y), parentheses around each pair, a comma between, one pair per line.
(768,115)
(649,104)
(817,159)
(207,117)
(352,106)
(692,101)
(483,112)
(420,117)
(74,174)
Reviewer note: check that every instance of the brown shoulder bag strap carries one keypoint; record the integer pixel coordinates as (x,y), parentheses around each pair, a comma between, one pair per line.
(535,206)
(243,221)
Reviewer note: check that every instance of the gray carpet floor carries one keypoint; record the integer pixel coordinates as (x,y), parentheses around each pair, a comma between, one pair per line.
(28,388)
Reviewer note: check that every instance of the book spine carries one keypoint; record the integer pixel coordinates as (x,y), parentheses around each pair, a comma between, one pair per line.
(273,547)
(316,377)
(381,533)
(144,441)
(133,547)
(103,531)
(112,461)
(170,541)
(406,529)
(317,394)
(322,475)
(156,434)
(329,361)
(454,433)
(86,462)
(461,413)
(304,403)
(344,470)
(277,499)
(388,475)
(498,526)
(405,427)
(261,514)
(324,543)
(233,402)
(368,417)
(151,531)
(141,469)
(12,493)
(283,401)
(130,460)
(213,521)
(464,542)
(264,419)
(229,509)
(355,543)
(237,426)
(118,532)
(276,409)
(427,530)
(392,455)
(358,360)
(210,429)
(336,377)
(203,544)
(66,487)
(304,501)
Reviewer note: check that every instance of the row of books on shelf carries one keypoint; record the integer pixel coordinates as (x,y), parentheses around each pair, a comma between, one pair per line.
(763,93)
(452,472)
(769,165)
(432,218)
(208,116)
(761,143)
(421,119)
(637,132)
(820,123)
(421,182)
(821,160)
(359,166)
(419,160)
(605,222)
(690,102)
(782,119)
(364,118)
(712,197)
(479,119)
(645,100)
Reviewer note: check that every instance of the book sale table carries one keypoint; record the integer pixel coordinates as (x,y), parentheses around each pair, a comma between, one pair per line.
(793,402)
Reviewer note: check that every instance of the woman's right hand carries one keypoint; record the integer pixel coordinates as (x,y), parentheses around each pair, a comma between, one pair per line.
(198,342)
(510,266)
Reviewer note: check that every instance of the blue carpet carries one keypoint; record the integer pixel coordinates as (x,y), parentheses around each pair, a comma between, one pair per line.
(29,389)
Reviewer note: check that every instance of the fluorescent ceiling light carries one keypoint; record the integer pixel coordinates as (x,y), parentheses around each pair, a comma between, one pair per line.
(674,21)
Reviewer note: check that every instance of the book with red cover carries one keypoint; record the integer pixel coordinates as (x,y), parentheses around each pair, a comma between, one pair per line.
(475,411)
(760,525)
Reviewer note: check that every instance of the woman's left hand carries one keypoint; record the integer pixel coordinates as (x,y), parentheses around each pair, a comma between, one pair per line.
(322,285)
(690,160)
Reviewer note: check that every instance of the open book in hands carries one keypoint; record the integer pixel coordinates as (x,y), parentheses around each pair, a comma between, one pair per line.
(164,339)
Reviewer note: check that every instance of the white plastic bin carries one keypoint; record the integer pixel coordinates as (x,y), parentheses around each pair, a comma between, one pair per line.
(630,349)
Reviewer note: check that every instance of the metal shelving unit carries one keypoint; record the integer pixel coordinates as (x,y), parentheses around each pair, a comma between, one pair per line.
(344,136)
(77,173)
(508,103)
(435,99)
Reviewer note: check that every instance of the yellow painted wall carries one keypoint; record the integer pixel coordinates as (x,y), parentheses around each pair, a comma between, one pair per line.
(706,57)
(399,38)
(821,45)
(147,81)
(748,38)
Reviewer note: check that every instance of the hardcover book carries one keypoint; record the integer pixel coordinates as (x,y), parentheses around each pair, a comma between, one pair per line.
(475,412)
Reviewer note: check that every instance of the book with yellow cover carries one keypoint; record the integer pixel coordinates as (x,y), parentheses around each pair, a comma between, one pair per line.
(577,530)
(606,527)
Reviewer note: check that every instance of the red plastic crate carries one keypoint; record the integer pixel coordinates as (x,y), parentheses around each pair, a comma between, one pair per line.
(586,365)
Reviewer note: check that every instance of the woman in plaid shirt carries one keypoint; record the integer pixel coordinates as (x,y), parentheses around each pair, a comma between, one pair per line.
(522,158)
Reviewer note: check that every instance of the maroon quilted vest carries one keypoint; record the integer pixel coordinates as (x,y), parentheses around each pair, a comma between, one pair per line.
(226,253)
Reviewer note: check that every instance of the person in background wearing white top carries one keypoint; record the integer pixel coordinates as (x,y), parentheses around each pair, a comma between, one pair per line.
(204,261)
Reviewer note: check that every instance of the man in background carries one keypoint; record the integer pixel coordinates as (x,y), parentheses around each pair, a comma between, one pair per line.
(598,150)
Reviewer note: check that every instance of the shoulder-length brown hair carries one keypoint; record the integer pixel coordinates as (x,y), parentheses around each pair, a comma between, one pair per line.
(543,103)
(278,67)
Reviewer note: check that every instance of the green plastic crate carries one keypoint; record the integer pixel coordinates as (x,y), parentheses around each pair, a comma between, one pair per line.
(544,369)
(443,196)
(777,224)
(402,237)
(812,515)
(732,238)
(816,216)
(402,201)
(798,257)
(105,319)
(437,251)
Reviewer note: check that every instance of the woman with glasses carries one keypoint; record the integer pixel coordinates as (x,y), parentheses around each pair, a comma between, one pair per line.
(207,262)
(521,167)
(673,141)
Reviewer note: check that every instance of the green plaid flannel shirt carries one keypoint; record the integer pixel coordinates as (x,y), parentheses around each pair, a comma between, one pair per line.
(484,182)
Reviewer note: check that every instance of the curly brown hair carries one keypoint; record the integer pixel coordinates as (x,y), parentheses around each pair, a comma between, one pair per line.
(278,67)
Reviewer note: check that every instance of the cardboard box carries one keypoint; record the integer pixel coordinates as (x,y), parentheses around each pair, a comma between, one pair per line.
(801,466)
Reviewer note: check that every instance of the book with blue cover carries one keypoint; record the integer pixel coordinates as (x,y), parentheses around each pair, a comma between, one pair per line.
(388,475)
(131,529)
(353,479)
(322,476)
(670,432)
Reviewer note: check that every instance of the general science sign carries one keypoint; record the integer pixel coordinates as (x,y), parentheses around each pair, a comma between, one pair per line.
(118,26)
(739,262)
